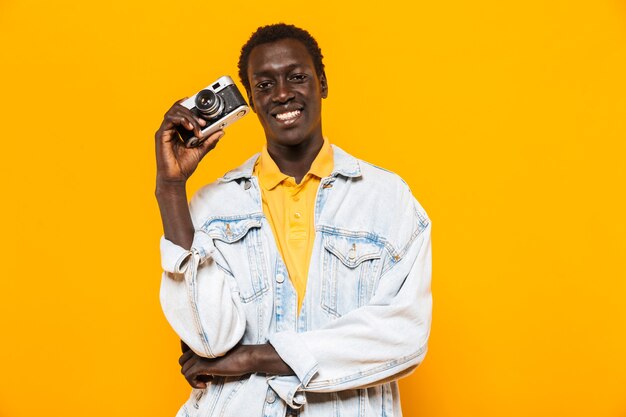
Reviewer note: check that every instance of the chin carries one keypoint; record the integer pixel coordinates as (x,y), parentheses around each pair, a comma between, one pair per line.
(298,134)
(288,137)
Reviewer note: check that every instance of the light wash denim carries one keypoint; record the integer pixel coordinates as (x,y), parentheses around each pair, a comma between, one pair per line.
(366,314)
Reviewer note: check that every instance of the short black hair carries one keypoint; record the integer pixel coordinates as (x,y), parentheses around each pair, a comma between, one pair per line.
(273,33)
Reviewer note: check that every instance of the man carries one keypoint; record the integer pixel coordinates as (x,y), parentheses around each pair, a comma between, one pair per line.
(299,282)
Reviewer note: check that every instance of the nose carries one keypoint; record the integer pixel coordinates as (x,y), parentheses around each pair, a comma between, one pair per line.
(282,92)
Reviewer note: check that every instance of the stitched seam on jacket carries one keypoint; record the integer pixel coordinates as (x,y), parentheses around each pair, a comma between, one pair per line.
(329,383)
(192,293)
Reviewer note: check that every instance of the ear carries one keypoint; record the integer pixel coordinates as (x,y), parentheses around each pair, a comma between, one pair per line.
(250,100)
(324,84)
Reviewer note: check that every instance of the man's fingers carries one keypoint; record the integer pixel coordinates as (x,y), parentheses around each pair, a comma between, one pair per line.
(194,364)
(199,384)
(178,106)
(193,123)
(202,380)
(186,366)
(196,381)
(216,136)
(196,372)
(180,119)
(185,357)
(179,115)
(198,376)
(188,114)
(210,142)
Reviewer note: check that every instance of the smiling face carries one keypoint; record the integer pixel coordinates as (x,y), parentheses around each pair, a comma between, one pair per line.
(286,93)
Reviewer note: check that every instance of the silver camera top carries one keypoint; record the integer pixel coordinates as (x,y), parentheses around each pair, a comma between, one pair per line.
(219,104)
(217,86)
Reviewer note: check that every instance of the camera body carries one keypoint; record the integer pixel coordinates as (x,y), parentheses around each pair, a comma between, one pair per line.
(219,104)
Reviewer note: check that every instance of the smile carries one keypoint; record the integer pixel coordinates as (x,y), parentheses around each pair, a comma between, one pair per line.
(288,117)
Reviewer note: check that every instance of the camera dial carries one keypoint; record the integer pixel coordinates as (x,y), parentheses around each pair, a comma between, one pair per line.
(209,104)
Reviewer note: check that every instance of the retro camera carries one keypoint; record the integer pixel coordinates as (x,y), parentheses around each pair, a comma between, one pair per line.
(219,104)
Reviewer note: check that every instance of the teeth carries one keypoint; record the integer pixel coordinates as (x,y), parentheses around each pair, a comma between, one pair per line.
(289,115)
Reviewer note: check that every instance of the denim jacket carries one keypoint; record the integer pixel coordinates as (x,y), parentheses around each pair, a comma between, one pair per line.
(366,314)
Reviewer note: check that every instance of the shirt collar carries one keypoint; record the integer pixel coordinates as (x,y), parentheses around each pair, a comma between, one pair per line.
(270,176)
(344,164)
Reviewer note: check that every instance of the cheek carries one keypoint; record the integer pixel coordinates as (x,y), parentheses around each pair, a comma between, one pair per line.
(261,103)
(264,118)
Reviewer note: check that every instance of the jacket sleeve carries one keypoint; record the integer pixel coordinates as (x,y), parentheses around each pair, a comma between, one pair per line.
(382,341)
(212,326)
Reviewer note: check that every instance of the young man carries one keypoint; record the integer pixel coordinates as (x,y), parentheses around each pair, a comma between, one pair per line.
(299,282)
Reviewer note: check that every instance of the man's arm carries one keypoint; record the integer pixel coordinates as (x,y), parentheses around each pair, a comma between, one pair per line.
(212,327)
(240,360)
(175,164)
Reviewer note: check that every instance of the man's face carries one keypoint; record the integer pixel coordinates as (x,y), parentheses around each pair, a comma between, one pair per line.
(286,92)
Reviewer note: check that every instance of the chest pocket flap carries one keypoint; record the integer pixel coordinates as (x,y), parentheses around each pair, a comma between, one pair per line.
(352,251)
(230,230)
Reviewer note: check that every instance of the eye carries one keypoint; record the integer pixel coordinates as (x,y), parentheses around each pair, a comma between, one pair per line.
(299,77)
(263,85)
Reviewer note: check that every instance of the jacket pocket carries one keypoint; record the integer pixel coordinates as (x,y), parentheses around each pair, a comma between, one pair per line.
(240,254)
(351,267)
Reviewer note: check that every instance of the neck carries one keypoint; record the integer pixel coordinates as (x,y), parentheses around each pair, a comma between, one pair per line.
(295,160)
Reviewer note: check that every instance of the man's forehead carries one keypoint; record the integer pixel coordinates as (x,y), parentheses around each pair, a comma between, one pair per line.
(279,54)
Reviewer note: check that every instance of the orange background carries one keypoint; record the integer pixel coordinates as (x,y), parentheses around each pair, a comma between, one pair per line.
(506,119)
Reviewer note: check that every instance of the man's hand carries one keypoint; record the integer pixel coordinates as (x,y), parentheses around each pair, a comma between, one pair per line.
(240,360)
(198,370)
(175,162)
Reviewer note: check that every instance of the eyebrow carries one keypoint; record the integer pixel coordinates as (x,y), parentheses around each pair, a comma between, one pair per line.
(288,68)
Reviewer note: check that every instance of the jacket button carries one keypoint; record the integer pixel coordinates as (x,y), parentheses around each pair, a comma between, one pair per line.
(271,397)
(352,252)
(280,278)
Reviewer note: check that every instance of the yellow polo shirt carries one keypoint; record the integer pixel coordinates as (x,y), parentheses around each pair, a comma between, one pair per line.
(289,208)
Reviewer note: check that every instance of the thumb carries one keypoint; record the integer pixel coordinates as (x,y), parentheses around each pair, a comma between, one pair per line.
(210,142)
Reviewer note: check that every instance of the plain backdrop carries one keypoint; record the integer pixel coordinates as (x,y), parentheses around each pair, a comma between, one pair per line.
(505,118)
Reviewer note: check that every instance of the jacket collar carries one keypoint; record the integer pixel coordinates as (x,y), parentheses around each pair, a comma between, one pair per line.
(270,175)
(345,165)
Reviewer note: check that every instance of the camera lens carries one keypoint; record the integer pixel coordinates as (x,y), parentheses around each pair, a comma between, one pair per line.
(209,104)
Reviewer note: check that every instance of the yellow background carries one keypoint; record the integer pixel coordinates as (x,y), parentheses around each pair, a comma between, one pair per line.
(505,118)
